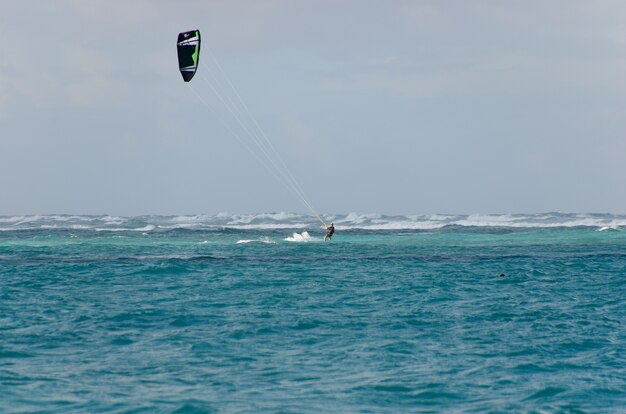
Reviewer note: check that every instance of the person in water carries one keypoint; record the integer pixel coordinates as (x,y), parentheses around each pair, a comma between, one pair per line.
(330,230)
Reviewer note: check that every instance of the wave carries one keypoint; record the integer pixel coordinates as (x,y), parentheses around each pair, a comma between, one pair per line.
(263,240)
(609,228)
(282,220)
(303,237)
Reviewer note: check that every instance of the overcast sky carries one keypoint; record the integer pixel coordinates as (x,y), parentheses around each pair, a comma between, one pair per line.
(396,107)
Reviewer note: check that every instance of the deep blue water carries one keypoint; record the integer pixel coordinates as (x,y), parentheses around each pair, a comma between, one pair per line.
(146,317)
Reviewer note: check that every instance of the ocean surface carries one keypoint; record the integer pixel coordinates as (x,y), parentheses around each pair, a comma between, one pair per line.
(255,313)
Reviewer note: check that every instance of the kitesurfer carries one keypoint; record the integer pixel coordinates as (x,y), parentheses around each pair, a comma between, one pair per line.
(330,230)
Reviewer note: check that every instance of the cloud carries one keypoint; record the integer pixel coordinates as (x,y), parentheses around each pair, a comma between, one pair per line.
(468,83)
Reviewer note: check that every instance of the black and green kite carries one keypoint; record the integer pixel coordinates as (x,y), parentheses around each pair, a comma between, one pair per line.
(188,46)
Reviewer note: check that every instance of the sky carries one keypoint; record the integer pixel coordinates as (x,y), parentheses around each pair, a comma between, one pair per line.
(391,107)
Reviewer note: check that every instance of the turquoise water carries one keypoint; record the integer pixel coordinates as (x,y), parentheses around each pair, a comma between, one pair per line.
(224,313)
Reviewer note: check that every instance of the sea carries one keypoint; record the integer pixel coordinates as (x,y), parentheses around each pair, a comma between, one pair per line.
(255,313)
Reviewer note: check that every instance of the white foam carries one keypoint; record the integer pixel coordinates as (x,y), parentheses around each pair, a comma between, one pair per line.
(190,218)
(149,227)
(609,228)
(300,222)
(114,220)
(355,218)
(263,240)
(303,237)
(27,219)
(249,218)
(267,226)
(12,220)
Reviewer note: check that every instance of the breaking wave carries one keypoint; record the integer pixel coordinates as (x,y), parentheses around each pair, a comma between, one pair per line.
(282,220)
(303,237)
(262,240)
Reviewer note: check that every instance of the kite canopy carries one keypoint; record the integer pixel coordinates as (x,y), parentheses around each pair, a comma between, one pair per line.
(188,46)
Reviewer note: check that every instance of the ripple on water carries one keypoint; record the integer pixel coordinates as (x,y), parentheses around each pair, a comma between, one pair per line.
(374,322)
